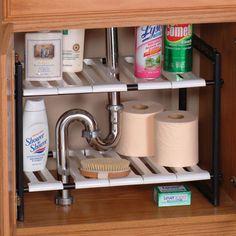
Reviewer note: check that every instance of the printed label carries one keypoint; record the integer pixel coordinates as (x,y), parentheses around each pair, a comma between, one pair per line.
(178,32)
(178,48)
(148,33)
(36,143)
(175,188)
(148,51)
(44,61)
(174,198)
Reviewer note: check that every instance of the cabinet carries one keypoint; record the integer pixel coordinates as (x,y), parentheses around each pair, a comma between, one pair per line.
(138,219)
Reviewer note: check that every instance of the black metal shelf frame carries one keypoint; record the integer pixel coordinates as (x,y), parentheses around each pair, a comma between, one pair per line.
(211,192)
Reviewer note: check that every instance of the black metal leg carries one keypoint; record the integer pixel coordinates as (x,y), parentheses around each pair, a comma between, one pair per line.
(212,192)
(216,130)
(19,141)
(183,99)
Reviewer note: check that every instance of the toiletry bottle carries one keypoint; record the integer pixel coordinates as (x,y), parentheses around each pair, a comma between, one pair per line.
(73,50)
(43,56)
(35,135)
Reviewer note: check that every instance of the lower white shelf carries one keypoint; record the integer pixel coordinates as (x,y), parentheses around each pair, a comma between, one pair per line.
(143,171)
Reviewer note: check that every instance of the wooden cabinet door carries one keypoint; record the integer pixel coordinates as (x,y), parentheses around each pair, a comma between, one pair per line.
(7,159)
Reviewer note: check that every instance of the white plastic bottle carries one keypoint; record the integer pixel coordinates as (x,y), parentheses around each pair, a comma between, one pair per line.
(35,135)
(73,50)
(43,56)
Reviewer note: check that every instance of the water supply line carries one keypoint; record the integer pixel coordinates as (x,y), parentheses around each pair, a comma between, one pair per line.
(91,131)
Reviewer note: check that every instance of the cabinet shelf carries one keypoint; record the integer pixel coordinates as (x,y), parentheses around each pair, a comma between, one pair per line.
(95,78)
(143,171)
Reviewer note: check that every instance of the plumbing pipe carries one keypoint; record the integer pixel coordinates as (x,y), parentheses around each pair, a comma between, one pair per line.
(91,132)
(62,126)
(114,107)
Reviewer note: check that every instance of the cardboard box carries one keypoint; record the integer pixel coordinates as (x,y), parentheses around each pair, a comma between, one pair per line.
(175,195)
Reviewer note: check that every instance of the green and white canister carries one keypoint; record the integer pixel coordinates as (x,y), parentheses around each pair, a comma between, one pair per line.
(178,48)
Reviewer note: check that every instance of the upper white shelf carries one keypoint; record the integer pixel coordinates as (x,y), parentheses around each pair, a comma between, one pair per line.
(95,79)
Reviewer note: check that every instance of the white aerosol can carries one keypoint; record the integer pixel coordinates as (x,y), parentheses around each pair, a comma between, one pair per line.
(35,135)
(73,50)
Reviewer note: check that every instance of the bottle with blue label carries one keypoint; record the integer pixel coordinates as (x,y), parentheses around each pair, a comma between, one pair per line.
(35,135)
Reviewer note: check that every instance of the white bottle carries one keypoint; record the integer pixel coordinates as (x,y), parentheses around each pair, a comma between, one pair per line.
(43,56)
(35,135)
(73,50)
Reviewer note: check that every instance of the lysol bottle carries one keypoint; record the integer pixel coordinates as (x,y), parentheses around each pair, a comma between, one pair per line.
(148,42)
(178,48)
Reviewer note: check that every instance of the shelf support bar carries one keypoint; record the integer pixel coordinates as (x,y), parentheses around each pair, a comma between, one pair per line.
(213,55)
(183,99)
(216,128)
(19,140)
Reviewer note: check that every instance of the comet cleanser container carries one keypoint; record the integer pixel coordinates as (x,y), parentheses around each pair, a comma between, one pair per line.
(178,48)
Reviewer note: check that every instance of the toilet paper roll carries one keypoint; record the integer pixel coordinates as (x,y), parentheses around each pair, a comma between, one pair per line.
(176,139)
(137,128)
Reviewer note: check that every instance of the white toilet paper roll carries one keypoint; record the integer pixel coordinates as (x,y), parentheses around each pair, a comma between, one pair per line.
(176,139)
(137,128)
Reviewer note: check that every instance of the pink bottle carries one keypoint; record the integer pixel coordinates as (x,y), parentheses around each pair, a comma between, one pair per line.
(148,45)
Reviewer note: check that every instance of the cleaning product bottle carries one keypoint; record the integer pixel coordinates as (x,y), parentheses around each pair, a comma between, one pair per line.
(73,50)
(148,43)
(35,135)
(178,48)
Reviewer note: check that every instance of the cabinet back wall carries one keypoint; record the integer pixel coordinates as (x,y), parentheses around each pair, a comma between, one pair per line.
(95,47)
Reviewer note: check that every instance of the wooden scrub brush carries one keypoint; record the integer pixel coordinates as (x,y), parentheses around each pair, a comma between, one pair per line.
(104,168)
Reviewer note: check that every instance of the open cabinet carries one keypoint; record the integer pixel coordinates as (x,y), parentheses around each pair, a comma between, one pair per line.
(118,210)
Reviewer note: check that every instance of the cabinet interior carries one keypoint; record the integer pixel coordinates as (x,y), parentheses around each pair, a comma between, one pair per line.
(92,205)
(95,48)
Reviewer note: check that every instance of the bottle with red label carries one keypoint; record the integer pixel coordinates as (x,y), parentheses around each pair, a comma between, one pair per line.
(178,48)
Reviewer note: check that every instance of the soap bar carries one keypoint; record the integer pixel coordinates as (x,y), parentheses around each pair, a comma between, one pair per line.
(174,195)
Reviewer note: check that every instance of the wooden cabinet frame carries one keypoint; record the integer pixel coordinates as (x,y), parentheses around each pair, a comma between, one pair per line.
(23,16)
(7,143)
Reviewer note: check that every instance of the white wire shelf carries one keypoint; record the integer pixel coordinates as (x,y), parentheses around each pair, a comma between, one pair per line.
(95,78)
(143,171)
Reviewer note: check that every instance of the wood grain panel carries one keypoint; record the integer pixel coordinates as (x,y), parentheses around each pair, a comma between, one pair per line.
(7,163)
(222,37)
(125,211)
(105,13)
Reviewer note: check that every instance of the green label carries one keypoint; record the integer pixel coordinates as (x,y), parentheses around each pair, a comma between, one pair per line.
(65,32)
(178,48)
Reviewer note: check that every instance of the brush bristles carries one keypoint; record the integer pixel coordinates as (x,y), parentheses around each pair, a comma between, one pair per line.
(105,164)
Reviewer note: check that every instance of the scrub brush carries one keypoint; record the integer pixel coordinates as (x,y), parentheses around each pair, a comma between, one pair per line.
(104,168)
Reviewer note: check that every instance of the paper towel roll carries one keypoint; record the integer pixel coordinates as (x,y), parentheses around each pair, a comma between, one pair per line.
(176,139)
(137,128)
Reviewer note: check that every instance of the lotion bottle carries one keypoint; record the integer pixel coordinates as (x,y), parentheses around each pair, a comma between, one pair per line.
(35,135)
(73,50)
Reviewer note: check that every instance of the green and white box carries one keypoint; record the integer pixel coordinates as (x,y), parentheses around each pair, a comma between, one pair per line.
(175,195)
